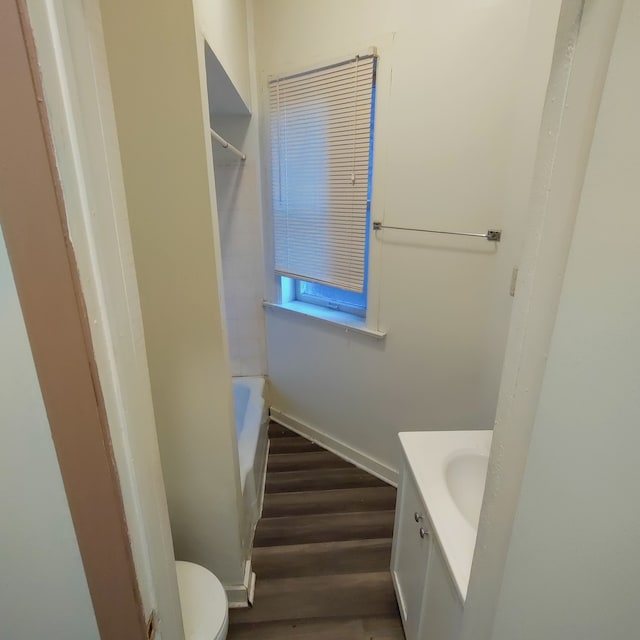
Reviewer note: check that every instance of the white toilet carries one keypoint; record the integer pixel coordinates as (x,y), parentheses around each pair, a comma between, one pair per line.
(205,610)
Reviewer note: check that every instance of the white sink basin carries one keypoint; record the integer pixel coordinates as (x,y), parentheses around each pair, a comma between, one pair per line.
(465,474)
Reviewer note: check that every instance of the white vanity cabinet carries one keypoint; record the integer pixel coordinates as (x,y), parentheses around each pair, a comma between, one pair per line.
(429,604)
(410,556)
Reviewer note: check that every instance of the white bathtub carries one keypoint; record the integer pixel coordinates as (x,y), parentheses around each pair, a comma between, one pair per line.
(251,430)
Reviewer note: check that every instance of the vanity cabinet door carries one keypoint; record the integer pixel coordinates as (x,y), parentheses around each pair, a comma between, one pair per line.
(410,555)
(442,610)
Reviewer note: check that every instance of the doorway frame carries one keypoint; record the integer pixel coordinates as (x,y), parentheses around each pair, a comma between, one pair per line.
(115,492)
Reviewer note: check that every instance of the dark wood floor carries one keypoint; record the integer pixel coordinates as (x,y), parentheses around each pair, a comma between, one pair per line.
(322,550)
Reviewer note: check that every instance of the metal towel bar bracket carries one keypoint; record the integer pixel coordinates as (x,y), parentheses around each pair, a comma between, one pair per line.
(493,235)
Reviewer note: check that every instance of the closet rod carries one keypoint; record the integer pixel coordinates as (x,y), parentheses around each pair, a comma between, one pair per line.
(492,235)
(227,145)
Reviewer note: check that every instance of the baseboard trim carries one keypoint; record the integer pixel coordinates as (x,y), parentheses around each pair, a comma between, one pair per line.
(358,458)
(241,596)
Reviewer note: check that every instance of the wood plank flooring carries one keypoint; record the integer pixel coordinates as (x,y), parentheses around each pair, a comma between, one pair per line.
(322,550)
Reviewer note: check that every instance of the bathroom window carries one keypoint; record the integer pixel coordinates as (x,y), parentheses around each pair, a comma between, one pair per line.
(321,127)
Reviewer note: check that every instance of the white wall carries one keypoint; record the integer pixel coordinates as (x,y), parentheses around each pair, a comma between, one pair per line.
(158,84)
(573,568)
(224,26)
(240,222)
(79,106)
(580,59)
(448,92)
(43,590)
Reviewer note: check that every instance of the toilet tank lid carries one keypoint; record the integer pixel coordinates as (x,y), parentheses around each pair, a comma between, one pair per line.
(203,601)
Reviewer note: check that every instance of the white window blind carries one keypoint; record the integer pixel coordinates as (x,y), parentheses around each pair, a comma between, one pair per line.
(321,127)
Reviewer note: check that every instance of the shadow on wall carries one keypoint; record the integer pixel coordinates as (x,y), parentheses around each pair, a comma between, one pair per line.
(231,173)
(240,222)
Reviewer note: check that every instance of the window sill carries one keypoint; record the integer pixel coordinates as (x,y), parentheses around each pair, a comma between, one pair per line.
(340,319)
